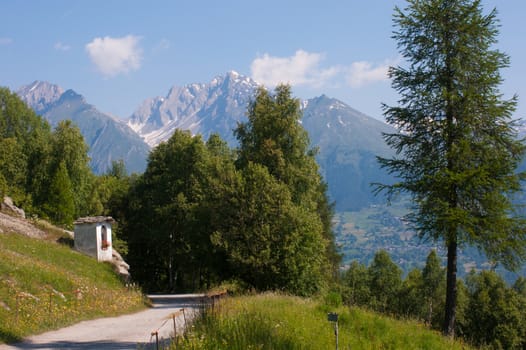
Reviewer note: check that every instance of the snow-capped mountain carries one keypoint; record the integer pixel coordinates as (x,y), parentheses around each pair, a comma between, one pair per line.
(348,140)
(200,108)
(108,138)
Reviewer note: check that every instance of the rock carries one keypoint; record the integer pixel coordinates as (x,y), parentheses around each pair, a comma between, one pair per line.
(8,205)
(120,266)
(5,306)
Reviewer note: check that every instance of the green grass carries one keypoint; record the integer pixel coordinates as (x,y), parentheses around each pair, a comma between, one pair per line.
(45,285)
(271,321)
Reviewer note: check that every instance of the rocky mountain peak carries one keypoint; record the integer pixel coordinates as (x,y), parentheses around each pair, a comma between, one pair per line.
(40,94)
(200,108)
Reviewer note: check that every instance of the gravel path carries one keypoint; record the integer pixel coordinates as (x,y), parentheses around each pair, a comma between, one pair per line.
(124,332)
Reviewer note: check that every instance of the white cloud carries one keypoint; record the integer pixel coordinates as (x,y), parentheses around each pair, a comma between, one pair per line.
(304,68)
(61,47)
(364,73)
(5,41)
(113,56)
(301,69)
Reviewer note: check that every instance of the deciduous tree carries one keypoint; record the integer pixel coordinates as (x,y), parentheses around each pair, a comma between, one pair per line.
(274,138)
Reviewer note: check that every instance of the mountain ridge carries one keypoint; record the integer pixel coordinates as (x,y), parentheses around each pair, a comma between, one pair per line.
(109,138)
(200,108)
(348,140)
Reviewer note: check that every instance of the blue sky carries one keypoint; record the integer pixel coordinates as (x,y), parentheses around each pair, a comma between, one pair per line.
(118,53)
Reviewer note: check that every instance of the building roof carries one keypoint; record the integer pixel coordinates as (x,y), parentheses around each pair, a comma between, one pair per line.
(94,220)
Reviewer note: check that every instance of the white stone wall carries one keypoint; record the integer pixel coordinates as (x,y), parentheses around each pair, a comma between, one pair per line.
(88,240)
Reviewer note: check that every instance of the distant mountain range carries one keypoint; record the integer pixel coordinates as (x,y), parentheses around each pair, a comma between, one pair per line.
(348,143)
(108,138)
(348,140)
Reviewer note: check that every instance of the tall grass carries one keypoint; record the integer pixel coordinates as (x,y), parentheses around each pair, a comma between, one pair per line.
(44,285)
(271,321)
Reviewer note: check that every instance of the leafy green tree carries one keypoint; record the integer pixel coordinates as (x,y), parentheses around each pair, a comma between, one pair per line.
(274,138)
(109,197)
(456,147)
(13,169)
(520,286)
(495,313)
(411,298)
(433,278)
(272,244)
(68,146)
(357,283)
(385,282)
(163,230)
(25,150)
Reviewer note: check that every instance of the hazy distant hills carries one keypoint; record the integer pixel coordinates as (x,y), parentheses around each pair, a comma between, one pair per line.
(348,143)
(348,140)
(108,138)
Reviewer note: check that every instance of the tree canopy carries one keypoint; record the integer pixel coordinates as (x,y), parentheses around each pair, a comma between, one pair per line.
(203,212)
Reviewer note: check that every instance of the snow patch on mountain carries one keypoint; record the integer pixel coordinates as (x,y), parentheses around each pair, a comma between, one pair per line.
(200,108)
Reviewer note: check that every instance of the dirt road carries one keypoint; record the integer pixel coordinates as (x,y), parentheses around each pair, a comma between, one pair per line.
(124,332)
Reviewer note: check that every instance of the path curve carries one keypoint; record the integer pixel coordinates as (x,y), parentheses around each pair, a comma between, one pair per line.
(131,331)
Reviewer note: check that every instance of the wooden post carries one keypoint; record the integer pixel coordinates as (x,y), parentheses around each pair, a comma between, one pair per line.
(184,317)
(333,317)
(156,333)
(16,314)
(50,301)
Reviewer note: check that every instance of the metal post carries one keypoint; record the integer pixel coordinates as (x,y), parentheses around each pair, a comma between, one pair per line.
(333,317)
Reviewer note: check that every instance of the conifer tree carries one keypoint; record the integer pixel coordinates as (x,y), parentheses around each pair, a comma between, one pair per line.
(60,205)
(456,144)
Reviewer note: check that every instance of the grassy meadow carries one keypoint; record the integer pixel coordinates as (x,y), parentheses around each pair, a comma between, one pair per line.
(45,285)
(271,321)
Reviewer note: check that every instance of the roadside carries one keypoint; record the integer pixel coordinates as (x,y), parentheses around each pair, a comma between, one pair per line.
(124,332)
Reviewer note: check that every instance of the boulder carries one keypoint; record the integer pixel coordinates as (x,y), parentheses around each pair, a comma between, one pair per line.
(120,266)
(7,205)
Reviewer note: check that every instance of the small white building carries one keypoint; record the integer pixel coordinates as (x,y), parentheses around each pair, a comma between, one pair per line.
(93,236)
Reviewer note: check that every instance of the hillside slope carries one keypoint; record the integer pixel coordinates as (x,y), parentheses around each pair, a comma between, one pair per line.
(46,285)
(270,321)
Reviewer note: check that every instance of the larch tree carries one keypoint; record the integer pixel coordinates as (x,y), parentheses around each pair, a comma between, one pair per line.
(456,146)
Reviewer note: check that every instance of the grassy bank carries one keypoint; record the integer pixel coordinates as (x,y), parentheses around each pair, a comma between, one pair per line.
(276,322)
(45,285)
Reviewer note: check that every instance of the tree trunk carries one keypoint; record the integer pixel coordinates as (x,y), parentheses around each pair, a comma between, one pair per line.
(451,291)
